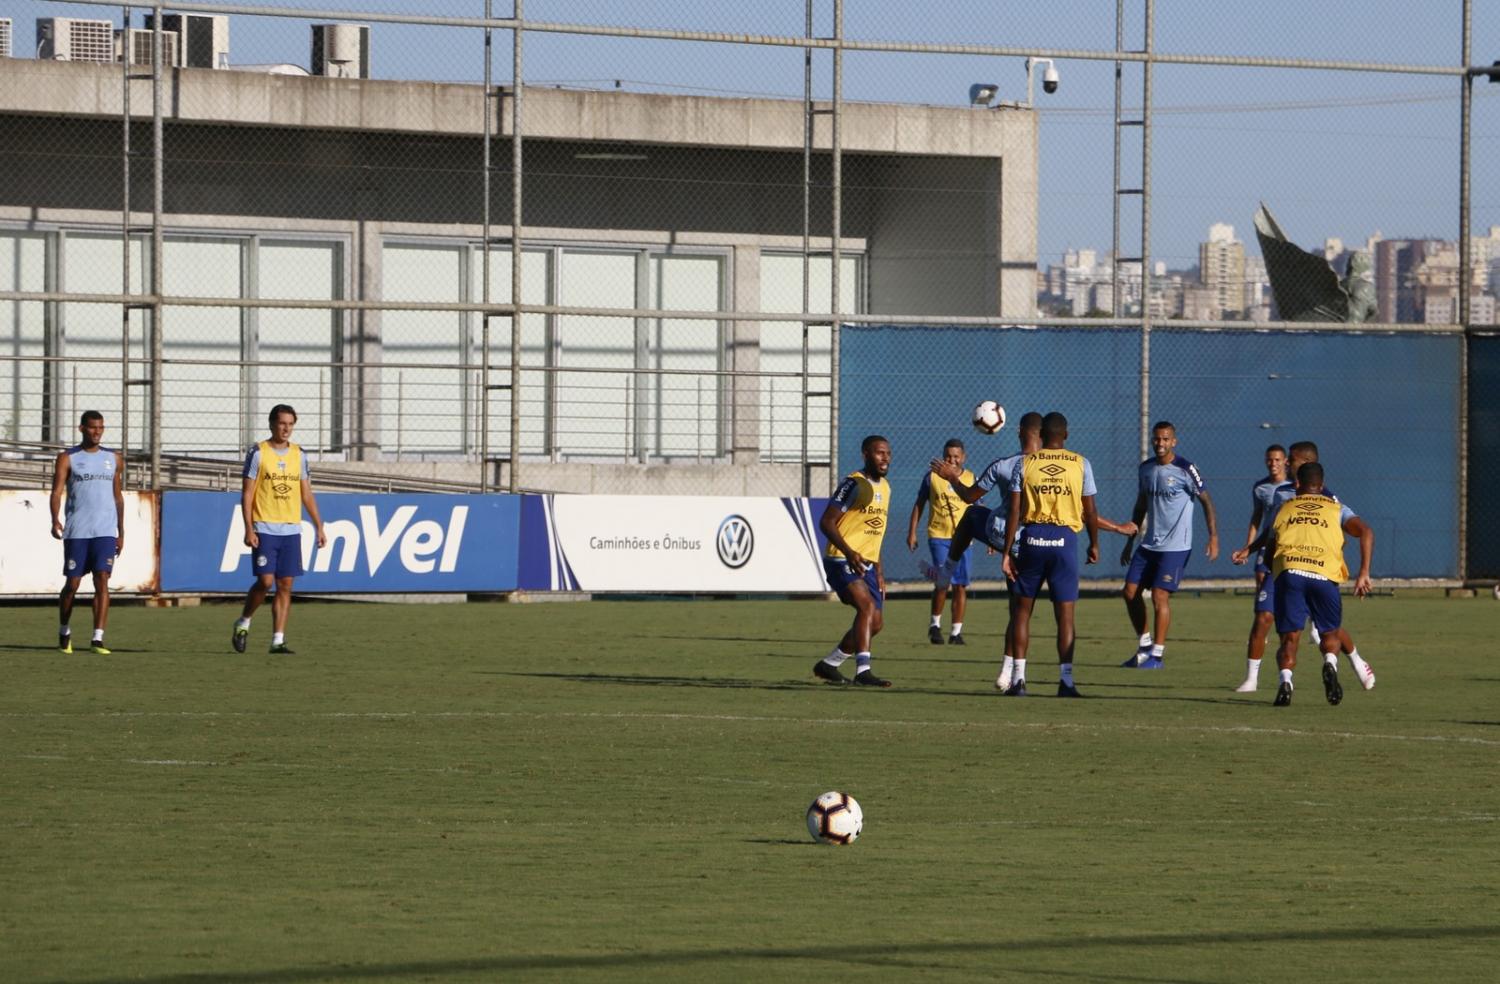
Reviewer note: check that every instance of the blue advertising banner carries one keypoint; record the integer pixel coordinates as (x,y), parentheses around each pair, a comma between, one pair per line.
(376,543)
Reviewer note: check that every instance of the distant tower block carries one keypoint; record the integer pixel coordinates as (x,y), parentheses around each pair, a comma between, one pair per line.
(341,50)
(4,37)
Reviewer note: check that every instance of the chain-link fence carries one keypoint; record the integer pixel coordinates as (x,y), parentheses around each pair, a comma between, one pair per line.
(716,205)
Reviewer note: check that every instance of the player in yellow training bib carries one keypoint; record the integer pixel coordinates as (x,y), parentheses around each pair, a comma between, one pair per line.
(275,490)
(1306,546)
(854,523)
(944,517)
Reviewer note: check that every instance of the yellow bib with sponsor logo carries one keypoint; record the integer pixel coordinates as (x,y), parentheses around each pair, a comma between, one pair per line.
(863,524)
(278,485)
(1052,488)
(1309,538)
(947,506)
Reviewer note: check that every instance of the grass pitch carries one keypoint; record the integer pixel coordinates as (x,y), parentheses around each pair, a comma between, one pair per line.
(615,791)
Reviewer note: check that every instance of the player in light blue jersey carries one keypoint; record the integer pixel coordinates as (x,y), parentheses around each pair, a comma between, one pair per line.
(93,528)
(1262,511)
(1299,454)
(1169,485)
(988,525)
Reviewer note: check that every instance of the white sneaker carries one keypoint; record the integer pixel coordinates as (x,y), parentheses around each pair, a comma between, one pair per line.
(1363,671)
(1002,682)
(1248,687)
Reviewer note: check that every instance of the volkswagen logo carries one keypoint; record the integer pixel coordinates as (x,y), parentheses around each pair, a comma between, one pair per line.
(736,542)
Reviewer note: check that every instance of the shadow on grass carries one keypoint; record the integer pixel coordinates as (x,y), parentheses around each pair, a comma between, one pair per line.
(890,954)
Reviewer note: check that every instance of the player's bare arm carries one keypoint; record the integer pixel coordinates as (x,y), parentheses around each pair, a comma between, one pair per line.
(1257,513)
(1137,516)
(1012,524)
(310,503)
(120,503)
(1091,523)
(911,527)
(953,475)
(247,511)
(59,485)
(1212,522)
(1357,527)
(829,524)
(1125,529)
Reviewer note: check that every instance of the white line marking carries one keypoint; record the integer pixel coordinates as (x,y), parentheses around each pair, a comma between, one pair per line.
(770,719)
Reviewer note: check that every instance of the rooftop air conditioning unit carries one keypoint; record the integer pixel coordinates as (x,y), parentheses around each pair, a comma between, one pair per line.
(341,50)
(137,43)
(74,39)
(202,39)
(4,37)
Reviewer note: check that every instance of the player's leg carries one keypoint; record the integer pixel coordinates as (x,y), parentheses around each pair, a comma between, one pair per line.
(1020,627)
(869,619)
(281,610)
(1161,604)
(1062,581)
(1008,664)
(1362,670)
(239,637)
(960,584)
(1135,605)
(839,575)
(1260,628)
(101,612)
(65,599)
(1327,611)
(1291,613)
(935,629)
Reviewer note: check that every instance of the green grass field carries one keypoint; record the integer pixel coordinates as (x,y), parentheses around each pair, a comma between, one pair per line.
(615,791)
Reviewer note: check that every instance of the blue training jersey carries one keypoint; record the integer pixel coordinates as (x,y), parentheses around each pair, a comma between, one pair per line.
(1263,497)
(1170,491)
(90,508)
(999,472)
(252,468)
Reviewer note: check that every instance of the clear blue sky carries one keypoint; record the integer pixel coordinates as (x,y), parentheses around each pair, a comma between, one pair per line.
(1333,154)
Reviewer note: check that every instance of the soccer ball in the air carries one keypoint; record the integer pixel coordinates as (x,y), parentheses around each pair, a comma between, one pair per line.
(989,417)
(835,818)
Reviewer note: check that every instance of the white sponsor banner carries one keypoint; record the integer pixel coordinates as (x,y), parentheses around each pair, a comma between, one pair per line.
(31,561)
(682,543)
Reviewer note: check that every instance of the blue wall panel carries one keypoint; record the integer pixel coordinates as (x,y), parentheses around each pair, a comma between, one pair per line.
(1484,456)
(1383,409)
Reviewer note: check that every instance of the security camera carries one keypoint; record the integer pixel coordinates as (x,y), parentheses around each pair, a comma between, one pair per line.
(1049,78)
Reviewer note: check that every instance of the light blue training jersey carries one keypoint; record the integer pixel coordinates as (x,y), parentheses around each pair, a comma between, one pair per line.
(1170,491)
(252,468)
(1000,473)
(90,507)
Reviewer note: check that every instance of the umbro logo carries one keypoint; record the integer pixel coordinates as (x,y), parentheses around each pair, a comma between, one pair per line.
(1052,471)
(281,488)
(1307,506)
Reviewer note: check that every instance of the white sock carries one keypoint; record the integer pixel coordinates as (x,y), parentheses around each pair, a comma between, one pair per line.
(1354,657)
(1008,668)
(862,662)
(1066,671)
(1332,659)
(937,620)
(98,635)
(1018,673)
(958,628)
(1317,637)
(1252,669)
(1286,677)
(277,638)
(1145,642)
(1156,651)
(242,623)
(837,656)
(63,630)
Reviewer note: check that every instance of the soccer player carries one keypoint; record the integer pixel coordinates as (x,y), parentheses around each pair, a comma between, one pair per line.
(1306,544)
(946,510)
(1168,483)
(1262,511)
(988,525)
(854,523)
(1052,493)
(1299,454)
(275,490)
(93,532)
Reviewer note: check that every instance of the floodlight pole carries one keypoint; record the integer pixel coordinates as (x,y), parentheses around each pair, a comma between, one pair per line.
(1465,261)
(834,253)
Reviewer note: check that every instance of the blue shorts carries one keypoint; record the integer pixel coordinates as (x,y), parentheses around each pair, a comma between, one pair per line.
(1297,597)
(939,548)
(1048,553)
(1159,570)
(840,575)
(87,556)
(985,525)
(280,556)
(1265,598)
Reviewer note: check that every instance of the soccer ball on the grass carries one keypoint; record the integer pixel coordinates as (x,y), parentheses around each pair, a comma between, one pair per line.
(835,818)
(989,417)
